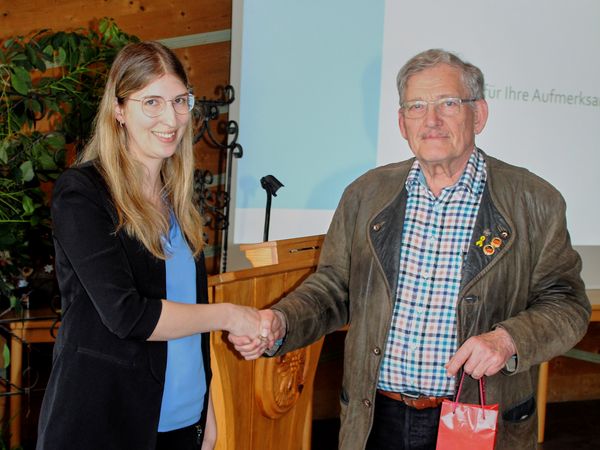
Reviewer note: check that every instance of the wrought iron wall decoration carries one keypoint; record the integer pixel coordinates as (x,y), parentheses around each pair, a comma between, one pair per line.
(215,205)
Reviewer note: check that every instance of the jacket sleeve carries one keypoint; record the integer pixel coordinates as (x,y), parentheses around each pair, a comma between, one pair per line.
(558,309)
(84,231)
(320,305)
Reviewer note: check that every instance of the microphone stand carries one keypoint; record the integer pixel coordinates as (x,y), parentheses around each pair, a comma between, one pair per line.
(270,184)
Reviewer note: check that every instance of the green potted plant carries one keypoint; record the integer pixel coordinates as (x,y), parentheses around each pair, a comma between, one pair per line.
(50,85)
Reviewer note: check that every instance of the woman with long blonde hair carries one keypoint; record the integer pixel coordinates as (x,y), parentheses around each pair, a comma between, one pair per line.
(131,366)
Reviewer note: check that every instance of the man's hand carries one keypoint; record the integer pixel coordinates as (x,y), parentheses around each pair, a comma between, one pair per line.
(272,328)
(481,355)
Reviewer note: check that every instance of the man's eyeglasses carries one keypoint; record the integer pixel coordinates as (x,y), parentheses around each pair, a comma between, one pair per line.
(154,105)
(446,107)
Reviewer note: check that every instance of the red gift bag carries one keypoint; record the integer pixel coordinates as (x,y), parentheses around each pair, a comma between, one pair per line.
(463,426)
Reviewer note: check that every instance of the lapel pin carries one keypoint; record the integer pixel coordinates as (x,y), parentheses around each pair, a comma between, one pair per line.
(489,249)
(496,242)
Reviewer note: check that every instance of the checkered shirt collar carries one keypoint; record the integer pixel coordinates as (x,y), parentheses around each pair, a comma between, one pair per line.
(472,179)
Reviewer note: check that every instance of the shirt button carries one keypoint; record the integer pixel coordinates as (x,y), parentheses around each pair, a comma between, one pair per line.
(367,403)
(377,227)
(376,351)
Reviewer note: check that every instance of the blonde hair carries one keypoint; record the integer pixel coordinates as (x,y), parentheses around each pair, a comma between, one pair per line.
(136,66)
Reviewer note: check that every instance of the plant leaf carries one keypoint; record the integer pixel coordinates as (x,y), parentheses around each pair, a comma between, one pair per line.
(5,355)
(48,52)
(27,203)
(103,25)
(20,80)
(4,152)
(55,140)
(27,171)
(47,161)
(31,55)
(62,56)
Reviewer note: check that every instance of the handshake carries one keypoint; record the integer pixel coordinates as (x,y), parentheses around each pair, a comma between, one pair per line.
(253,332)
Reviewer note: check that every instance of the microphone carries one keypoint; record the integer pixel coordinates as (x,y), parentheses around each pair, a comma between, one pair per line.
(270,184)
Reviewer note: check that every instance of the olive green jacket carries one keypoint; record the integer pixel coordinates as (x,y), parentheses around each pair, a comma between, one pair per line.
(530,285)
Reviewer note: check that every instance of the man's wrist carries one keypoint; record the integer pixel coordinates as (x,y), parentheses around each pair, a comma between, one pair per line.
(510,366)
(283,329)
(282,321)
(509,343)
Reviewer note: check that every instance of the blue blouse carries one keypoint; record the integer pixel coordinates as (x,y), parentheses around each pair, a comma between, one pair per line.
(185,384)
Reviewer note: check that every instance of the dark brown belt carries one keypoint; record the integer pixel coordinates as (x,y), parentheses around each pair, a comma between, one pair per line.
(422,402)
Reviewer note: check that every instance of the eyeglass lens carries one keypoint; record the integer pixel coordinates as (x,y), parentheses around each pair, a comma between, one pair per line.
(155,105)
(443,106)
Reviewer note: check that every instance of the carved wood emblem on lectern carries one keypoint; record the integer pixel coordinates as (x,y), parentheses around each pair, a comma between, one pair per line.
(279,382)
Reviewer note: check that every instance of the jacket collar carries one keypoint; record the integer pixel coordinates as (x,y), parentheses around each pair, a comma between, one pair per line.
(385,232)
(386,226)
(492,236)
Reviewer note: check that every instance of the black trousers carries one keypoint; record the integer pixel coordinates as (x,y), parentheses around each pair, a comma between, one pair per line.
(400,427)
(188,438)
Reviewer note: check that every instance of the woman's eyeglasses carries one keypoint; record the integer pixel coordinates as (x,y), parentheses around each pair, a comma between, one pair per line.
(154,105)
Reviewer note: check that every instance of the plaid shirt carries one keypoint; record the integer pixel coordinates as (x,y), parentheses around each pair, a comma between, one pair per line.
(436,236)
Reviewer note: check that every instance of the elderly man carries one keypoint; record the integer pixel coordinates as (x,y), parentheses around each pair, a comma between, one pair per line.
(450,261)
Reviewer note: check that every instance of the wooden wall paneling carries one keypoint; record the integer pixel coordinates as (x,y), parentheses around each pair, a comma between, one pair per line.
(207,67)
(148,19)
(209,157)
(212,259)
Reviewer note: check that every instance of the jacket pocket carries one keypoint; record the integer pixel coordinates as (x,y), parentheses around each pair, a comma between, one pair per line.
(520,412)
(105,357)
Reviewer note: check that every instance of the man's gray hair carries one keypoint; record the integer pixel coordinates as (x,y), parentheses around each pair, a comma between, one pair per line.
(472,76)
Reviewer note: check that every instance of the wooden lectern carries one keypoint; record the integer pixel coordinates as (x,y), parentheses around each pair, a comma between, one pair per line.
(264,404)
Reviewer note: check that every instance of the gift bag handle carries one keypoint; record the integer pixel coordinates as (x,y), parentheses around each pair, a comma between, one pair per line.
(481,393)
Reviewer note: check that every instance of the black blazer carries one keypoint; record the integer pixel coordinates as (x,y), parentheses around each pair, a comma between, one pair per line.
(107,380)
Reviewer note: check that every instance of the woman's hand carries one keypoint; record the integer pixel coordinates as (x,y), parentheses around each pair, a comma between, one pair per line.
(244,321)
(247,322)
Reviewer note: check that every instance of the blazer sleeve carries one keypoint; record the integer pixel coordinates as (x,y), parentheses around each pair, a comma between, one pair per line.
(558,310)
(84,232)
